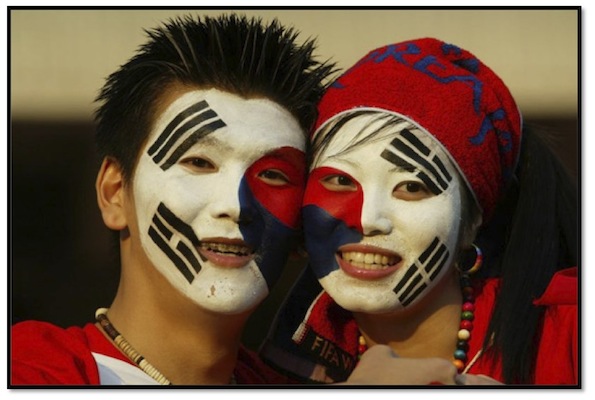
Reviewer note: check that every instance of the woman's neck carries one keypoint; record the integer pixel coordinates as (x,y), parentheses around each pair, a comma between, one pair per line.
(427,330)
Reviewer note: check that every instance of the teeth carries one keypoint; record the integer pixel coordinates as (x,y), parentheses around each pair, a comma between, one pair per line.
(369,260)
(226,248)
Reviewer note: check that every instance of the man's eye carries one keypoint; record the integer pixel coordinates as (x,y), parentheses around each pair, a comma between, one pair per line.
(274,177)
(198,163)
(339,183)
(411,191)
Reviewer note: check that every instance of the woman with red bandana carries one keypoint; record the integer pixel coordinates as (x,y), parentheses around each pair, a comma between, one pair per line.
(436,225)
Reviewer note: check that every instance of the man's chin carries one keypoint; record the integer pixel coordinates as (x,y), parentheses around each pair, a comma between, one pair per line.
(235,307)
(229,299)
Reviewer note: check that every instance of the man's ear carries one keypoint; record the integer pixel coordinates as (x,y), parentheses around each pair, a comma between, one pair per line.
(110,194)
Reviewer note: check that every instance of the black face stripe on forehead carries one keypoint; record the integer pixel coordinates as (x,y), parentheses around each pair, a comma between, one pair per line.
(182,116)
(397,161)
(429,264)
(190,141)
(411,138)
(429,183)
(442,168)
(199,119)
(425,162)
(420,158)
(404,165)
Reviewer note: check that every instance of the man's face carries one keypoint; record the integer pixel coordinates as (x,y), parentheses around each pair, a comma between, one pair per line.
(217,192)
(381,219)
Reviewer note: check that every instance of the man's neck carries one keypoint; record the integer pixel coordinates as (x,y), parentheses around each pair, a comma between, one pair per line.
(187,344)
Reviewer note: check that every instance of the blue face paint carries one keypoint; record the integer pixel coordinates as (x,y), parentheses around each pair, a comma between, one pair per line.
(271,239)
(324,235)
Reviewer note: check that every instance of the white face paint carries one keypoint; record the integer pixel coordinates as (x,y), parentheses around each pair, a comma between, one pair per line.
(381,219)
(202,192)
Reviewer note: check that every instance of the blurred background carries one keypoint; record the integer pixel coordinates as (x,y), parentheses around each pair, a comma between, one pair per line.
(64,262)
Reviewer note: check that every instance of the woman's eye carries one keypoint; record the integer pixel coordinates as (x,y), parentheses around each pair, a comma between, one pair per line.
(198,163)
(338,183)
(411,191)
(274,177)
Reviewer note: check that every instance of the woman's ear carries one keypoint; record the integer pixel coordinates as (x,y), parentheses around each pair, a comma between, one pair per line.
(110,194)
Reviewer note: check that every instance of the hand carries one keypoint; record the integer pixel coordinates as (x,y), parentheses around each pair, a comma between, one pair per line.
(379,365)
(476,380)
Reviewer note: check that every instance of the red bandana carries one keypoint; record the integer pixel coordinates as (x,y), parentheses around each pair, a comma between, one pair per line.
(448,92)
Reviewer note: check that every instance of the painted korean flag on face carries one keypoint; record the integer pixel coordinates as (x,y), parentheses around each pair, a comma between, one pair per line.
(217,191)
(382,217)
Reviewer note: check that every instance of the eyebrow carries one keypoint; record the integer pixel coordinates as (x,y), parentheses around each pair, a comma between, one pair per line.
(191,140)
(399,164)
(343,160)
(171,131)
(214,142)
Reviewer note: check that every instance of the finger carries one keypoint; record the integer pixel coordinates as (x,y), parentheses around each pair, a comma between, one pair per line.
(476,380)
(380,350)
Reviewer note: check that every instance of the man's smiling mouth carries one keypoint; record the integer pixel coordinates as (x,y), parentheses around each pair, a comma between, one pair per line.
(226,253)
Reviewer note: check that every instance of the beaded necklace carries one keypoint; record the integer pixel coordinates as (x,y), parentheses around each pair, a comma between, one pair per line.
(465,327)
(131,353)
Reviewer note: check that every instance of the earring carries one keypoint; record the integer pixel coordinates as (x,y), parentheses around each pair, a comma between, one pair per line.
(466,258)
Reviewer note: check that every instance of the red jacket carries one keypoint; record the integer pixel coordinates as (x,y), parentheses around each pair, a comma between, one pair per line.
(319,343)
(44,354)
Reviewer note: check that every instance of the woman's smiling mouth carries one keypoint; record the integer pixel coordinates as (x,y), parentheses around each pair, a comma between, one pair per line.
(367,262)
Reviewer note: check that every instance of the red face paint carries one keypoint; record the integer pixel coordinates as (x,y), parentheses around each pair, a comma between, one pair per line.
(344,205)
(283,200)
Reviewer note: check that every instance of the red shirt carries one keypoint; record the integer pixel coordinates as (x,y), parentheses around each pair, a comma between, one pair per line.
(324,346)
(44,354)
(557,355)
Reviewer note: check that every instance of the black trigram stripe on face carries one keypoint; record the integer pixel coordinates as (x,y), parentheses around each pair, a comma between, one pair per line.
(199,118)
(176,239)
(429,264)
(418,158)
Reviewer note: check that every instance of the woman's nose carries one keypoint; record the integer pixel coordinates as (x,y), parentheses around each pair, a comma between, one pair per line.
(374,218)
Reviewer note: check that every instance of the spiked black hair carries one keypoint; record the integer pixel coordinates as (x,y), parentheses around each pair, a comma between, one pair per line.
(230,53)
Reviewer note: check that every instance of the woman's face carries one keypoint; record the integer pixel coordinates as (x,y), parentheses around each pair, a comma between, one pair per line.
(381,219)
(217,192)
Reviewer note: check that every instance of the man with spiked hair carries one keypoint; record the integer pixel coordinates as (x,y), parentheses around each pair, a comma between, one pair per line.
(202,136)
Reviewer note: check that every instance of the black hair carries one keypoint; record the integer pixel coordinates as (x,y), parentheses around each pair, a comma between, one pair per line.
(325,136)
(231,53)
(533,234)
